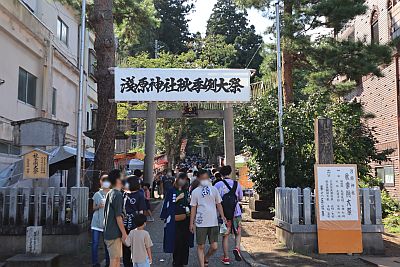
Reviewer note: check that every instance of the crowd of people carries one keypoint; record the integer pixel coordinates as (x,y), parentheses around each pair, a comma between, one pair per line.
(200,205)
(121,211)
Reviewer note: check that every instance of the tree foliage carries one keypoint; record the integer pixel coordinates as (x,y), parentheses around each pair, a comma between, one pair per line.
(300,47)
(135,22)
(173,32)
(229,21)
(258,129)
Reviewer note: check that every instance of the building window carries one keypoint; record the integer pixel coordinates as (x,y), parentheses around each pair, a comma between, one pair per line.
(375,27)
(386,174)
(62,31)
(7,148)
(54,102)
(27,87)
(92,63)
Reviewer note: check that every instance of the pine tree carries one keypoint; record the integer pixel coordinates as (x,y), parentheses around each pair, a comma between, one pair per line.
(106,119)
(232,23)
(173,33)
(299,18)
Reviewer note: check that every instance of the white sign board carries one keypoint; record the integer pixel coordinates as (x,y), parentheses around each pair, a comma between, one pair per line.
(182,85)
(337,193)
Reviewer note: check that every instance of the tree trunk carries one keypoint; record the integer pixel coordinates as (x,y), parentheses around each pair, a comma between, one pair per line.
(287,57)
(102,21)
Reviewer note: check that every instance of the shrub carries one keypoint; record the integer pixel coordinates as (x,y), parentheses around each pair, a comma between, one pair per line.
(392,223)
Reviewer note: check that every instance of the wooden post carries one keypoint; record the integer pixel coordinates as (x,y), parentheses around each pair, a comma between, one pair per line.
(378,205)
(3,192)
(62,198)
(12,213)
(366,207)
(295,206)
(229,138)
(150,142)
(307,205)
(50,206)
(38,205)
(26,195)
(74,204)
(323,141)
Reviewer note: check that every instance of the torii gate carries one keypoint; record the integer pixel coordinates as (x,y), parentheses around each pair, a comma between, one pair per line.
(225,86)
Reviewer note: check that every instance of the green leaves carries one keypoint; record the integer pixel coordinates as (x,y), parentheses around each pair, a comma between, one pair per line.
(228,20)
(173,32)
(257,129)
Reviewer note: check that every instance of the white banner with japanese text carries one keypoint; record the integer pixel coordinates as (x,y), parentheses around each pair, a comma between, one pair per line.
(337,193)
(182,85)
(338,208)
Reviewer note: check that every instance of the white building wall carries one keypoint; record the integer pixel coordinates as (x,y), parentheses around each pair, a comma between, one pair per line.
(28,39)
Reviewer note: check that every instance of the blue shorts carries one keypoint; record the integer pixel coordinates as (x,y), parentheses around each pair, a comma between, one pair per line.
(147,202)
(142,264)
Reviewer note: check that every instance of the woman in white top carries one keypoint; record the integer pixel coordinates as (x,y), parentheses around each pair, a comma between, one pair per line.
(97,226)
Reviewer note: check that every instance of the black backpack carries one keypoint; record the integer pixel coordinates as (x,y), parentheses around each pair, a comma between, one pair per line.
(230,200)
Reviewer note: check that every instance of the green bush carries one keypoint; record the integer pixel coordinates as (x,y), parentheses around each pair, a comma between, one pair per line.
(392,223)
(390,206)
(257,130)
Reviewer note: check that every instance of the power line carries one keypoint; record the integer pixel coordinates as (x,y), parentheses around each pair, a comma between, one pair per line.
(254,55)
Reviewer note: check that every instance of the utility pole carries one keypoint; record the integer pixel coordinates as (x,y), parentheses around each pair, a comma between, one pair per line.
(282,178)
(80,102)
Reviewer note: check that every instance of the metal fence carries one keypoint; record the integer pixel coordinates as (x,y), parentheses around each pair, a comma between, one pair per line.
(296,206)
(43,206)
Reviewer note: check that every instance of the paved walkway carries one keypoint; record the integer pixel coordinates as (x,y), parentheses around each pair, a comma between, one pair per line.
(156,230)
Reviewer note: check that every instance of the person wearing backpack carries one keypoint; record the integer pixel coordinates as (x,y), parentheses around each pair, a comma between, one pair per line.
(134,204)
(231,193)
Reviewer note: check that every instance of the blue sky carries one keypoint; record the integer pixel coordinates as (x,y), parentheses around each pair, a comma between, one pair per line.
(203,10)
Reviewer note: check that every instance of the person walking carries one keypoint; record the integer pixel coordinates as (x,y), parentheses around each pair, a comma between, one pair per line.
(218,178)
(97,225)
(205,202)
(140,243)
(156,185)
(147,197)
(134,204)
(231,193)
(176,212)
(167,182)
(114,230)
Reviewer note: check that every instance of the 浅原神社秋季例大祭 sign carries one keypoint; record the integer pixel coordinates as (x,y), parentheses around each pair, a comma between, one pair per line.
(182,85)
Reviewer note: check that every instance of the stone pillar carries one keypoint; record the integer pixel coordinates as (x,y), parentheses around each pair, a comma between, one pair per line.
(34,240)
(150,142)
(229,137)
(323,141)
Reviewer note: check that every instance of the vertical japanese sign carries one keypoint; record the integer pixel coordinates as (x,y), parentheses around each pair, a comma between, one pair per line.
(182,85)
(338,209)
(36,165)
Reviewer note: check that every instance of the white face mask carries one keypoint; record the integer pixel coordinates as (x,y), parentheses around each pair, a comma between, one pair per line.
(204,182)
(106,184)
(190,175)
(126,186)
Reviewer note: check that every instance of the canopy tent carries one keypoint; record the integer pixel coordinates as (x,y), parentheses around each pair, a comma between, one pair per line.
(136,164)
(64,158)
(60,158)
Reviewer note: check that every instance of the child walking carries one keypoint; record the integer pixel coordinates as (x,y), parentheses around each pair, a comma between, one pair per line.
(147,195)
(140,243)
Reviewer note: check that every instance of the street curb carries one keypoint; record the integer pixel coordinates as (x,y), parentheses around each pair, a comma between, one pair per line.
(248,259)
